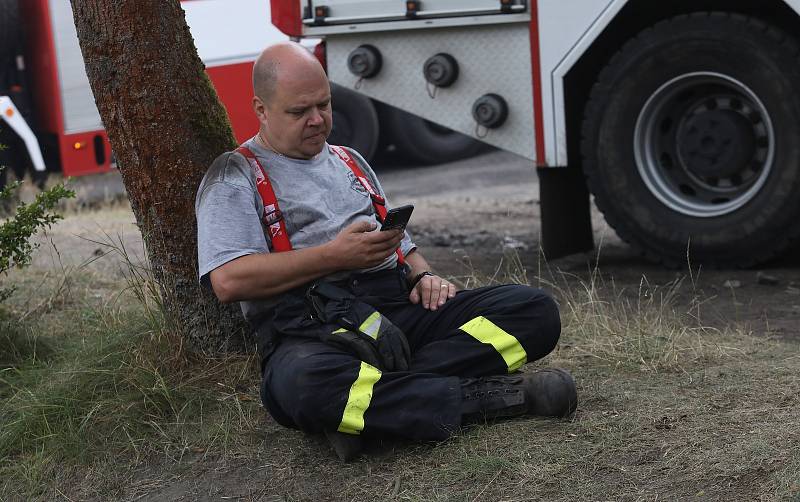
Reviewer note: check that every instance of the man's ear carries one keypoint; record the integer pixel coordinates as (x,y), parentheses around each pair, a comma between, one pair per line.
(260,109)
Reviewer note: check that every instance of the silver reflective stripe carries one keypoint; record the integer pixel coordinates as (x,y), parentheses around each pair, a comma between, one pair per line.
(372,325)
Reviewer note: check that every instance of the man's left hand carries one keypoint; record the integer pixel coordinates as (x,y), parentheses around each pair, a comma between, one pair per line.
(432,291)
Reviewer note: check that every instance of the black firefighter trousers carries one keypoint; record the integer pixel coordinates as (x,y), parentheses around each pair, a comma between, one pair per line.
(486,331)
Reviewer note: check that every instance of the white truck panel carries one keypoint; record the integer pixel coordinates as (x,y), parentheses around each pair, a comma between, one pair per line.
(492,59)
(225,32)
(365,11)
(564,36)
(416,24)
(342,9)
(230,31)
(77,101)
(498,50)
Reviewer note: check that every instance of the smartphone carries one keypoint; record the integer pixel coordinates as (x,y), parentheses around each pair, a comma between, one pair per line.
(397,218)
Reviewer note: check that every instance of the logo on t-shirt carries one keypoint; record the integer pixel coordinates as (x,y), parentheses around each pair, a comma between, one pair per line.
(356,185)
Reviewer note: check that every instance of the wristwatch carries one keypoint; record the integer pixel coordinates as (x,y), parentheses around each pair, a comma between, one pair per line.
(413,282)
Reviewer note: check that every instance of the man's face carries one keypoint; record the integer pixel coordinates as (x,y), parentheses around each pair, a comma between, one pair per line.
(297,117)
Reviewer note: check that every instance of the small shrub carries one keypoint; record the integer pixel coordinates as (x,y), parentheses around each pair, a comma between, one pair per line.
(16,232)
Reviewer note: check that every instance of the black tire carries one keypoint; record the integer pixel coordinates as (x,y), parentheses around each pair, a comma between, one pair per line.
(9,30)
(715,167)
(423,141)
(10,43)
(355,122)
(14,157)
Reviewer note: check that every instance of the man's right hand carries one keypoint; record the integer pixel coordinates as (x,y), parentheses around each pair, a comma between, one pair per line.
(360,246)
(260,276)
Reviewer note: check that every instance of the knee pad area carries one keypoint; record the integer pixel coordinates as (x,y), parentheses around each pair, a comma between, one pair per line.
(312,388)
(538,313)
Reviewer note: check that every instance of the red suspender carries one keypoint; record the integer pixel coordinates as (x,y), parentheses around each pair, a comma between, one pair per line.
(378,202)
(273,217)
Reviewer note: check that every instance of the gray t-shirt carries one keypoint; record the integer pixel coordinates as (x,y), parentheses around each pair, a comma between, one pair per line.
(318,198)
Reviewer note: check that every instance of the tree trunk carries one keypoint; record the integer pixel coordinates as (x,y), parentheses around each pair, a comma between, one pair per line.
(166,126)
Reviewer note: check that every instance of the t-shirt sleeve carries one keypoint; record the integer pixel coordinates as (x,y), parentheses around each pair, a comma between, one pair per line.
(228,226)
(406,245)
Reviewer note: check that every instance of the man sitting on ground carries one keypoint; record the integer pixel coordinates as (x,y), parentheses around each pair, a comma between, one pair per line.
(357,335)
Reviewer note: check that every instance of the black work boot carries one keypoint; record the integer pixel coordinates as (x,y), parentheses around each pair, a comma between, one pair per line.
(346,446)
(549,392)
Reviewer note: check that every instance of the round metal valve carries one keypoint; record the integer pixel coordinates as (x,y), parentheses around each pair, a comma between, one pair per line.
(441,70)
(490,111)
(365,61)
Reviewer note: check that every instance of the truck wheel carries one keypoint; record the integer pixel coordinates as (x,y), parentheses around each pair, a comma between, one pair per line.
(9,21)
(14,155)
(355,122)
(689,141)
(425,142)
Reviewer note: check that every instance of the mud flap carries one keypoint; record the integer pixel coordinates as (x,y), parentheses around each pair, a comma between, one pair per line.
(565,212)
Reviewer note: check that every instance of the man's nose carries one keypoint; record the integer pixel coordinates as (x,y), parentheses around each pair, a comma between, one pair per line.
(315,119)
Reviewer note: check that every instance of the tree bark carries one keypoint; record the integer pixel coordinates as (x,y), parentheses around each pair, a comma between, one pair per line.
(166,125)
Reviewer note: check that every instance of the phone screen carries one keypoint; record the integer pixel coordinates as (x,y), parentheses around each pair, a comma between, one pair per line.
(397,217)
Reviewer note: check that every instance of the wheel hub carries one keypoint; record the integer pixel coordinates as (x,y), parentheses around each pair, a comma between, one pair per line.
(716,143)
(704,144)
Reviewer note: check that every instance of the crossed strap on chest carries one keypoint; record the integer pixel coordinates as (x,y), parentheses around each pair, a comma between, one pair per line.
(273,217)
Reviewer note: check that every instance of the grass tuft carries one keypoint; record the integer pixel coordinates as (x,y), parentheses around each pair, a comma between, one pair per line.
(651,328)
(18,346)
(644,330)
(111,380)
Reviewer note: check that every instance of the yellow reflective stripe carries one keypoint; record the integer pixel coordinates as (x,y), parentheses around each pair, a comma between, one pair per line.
(371,325)
(485,331)
(340,330)
(359,399)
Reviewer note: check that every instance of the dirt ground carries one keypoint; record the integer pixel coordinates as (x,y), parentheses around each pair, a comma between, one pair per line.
(470,216)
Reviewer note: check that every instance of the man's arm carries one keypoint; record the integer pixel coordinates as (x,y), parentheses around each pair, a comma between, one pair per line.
(261,276)
(431,290)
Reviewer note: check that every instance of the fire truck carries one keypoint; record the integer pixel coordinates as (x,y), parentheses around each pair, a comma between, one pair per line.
(680,118)
(49,121)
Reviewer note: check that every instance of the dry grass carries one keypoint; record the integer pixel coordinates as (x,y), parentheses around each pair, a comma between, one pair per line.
(94,375)
(670,409)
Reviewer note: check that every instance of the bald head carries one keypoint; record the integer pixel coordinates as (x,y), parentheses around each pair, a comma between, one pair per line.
(292,101)
(280,62)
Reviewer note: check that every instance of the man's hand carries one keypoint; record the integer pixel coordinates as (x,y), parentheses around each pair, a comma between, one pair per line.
(359,246)
(432,291)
